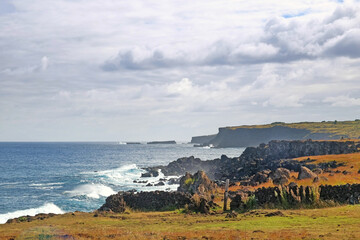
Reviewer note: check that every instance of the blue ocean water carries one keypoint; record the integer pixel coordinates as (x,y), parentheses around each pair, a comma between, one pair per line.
(63,177)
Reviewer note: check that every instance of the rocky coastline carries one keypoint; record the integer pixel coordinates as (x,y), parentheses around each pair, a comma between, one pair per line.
(265,157)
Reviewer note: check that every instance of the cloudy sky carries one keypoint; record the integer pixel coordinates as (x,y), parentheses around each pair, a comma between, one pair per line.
(99,70)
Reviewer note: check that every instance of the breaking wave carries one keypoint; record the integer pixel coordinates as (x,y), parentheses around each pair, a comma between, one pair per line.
(46,208)
(91,191)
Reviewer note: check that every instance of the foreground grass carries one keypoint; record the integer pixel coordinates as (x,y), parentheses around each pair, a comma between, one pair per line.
(330,223)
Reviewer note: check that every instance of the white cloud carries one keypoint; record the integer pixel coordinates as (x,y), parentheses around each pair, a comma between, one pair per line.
(173,68)
(343,101)
(44,63)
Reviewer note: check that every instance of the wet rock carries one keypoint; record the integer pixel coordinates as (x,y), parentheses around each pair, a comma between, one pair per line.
(306,173)
(160,184)
(173,181)
(150,173)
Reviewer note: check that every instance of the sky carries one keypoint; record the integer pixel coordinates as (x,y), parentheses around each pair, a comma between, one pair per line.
(113,70)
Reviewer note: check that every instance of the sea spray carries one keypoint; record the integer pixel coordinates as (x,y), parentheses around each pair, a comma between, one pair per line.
(91,191)
(46,208)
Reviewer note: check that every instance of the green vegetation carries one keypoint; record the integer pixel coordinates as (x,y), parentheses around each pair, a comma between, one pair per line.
(350,129)
(330,223)
(189,181)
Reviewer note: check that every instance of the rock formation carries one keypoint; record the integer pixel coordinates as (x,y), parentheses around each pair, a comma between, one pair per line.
(269,156)
(280,176)
(146,201)
(198,183)
(306,173)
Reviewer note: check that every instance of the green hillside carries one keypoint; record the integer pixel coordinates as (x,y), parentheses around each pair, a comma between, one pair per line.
(346,128)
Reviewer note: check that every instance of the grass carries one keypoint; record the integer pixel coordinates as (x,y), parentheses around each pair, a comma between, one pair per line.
(331,223)
(350,129)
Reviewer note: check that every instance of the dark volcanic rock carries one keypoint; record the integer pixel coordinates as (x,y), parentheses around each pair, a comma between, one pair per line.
(198,183)
(260,177)
(280,176)
(341,193)
(147,201)
(275,154)
(114,203)
(159,184)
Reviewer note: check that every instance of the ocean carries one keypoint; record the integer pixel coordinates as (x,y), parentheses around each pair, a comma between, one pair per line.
(65,177)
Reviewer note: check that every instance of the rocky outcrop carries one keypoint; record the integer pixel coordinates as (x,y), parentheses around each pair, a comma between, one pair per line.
(198,183)
(260,177)
(114,203)
(280,176)
(146,201)
(306,173)
(275,154)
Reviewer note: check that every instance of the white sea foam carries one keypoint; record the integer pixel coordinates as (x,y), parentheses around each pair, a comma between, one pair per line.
(45,184)
(46,208)
(91,191)
(124,175)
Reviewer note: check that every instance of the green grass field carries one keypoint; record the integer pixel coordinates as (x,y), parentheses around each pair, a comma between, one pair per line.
(330,223)
(348,128)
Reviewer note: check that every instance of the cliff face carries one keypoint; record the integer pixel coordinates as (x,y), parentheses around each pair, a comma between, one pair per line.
(246,137)
(203,139)
(253,135)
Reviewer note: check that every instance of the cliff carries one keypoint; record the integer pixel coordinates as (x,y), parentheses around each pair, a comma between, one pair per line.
(203,139)
(162,142)
(253,135)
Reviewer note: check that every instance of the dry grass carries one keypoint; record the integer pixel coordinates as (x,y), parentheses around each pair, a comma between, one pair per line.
(331,223)
(351,166)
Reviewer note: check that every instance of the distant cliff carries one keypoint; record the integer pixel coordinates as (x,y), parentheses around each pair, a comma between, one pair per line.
(246,136)
(162,142)
(203,139)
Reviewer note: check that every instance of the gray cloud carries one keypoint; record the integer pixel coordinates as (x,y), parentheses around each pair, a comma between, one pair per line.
(179,68)
(282,40)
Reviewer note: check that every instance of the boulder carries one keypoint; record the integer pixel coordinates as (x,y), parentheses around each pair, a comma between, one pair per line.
(280,176)
(114,203)
(260,177)
(198,183)
(306,173)
(160,184)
